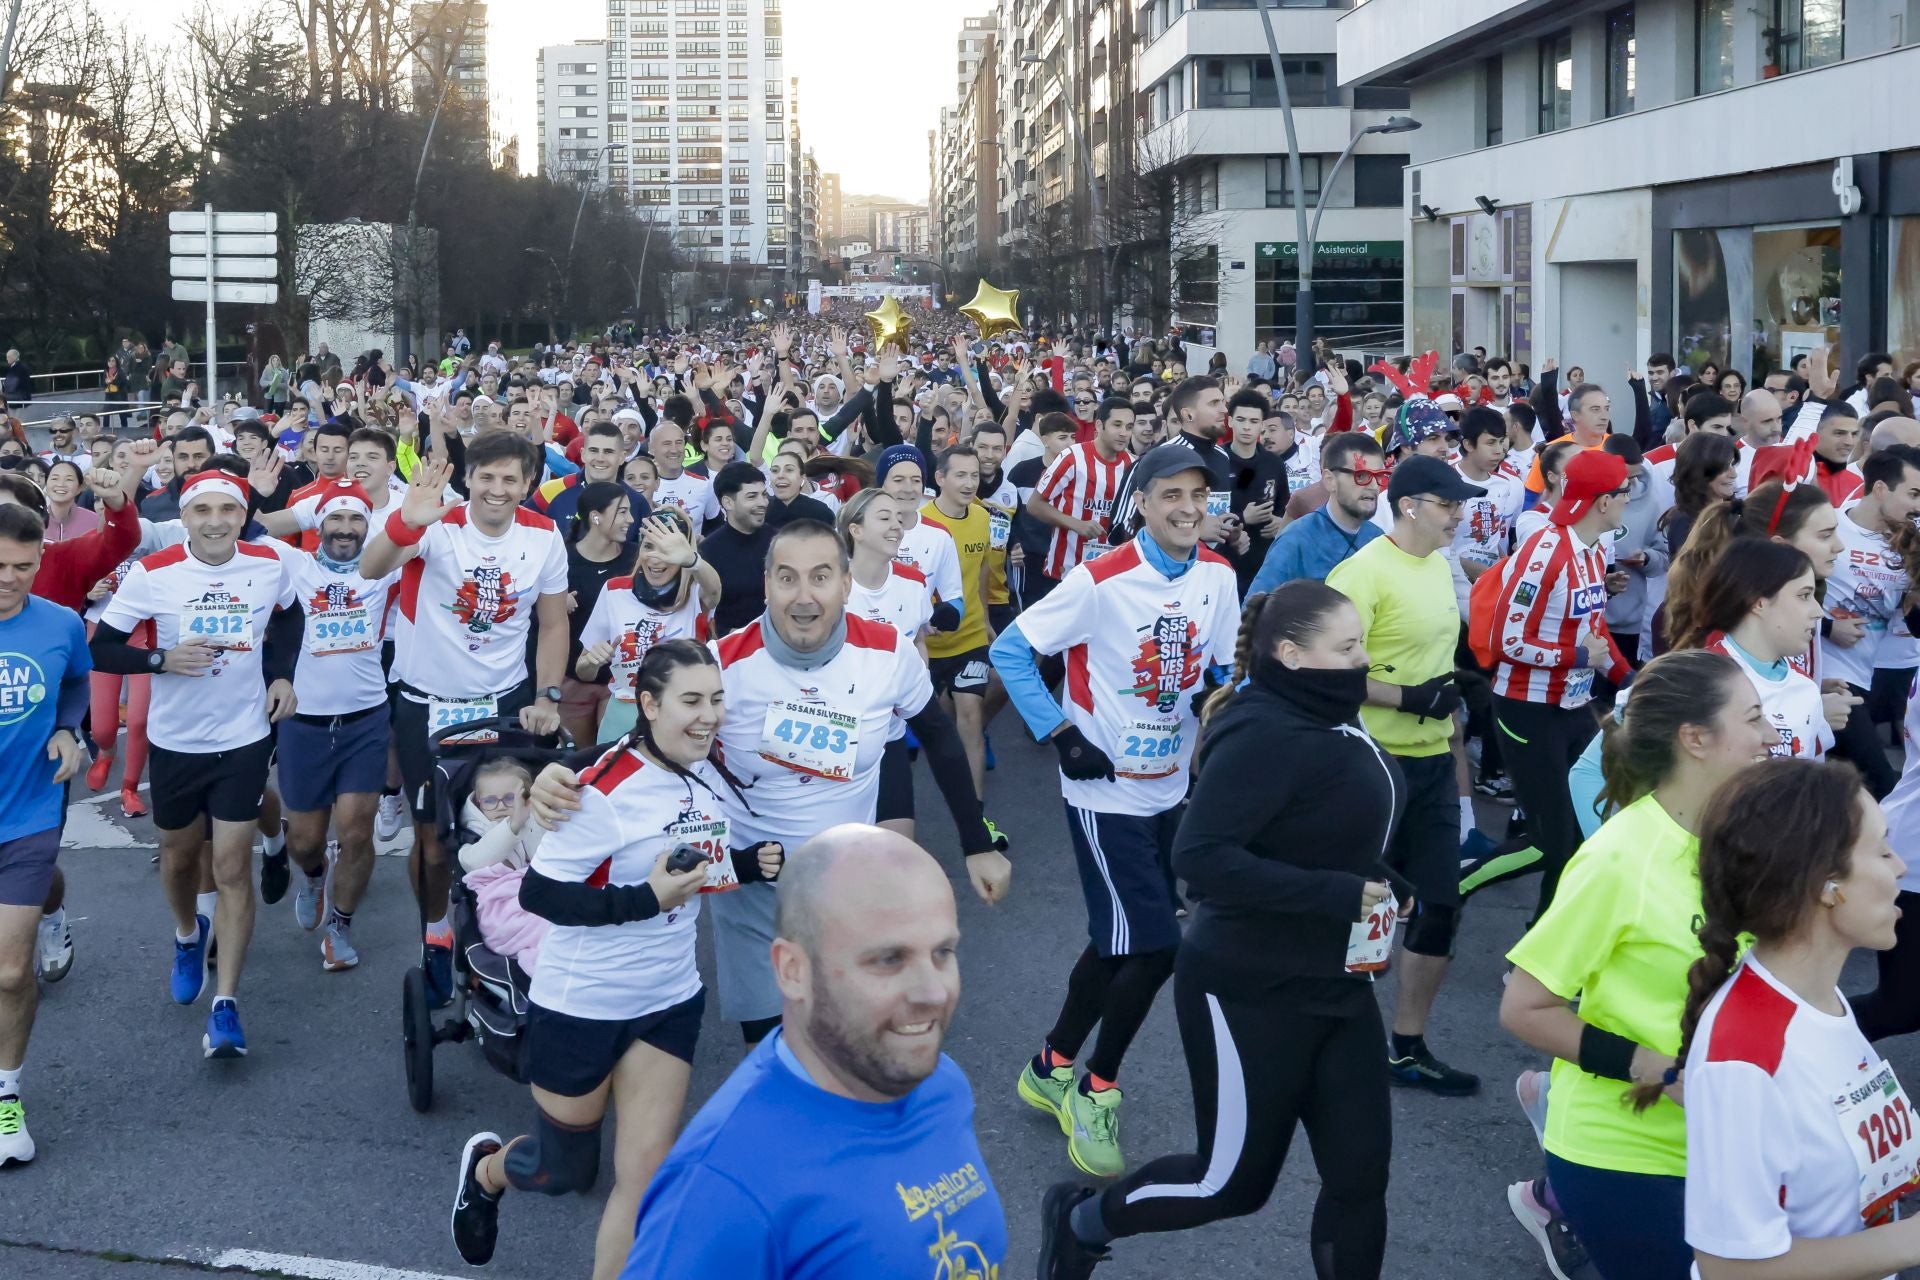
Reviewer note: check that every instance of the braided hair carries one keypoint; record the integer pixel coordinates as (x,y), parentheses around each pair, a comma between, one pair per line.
(1295,611)
(656,670)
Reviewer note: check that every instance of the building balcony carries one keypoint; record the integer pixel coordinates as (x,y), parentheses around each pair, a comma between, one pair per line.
(1252,131)
(1201,33)
(1380,37)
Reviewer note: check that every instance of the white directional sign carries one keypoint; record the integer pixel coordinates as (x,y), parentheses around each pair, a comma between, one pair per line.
(226,246)
(189,220)
(225,268)
(225,291)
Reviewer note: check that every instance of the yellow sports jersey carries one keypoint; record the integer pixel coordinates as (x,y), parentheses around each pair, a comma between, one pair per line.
(972,540)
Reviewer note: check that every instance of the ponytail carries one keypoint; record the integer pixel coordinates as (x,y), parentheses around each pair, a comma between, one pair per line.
(1675,689)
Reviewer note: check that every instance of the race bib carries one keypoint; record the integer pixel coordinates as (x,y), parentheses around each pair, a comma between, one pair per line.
(710,838)
(1579,690)
(1370,944)
(1148,749)
(449,713)
(999,526)
(334,631)
(223,624)
(1093,549)
(1877,1121)
(1219,503)
(809,738)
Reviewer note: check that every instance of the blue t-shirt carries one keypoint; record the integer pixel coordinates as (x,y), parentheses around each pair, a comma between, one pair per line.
(41,647)
(776,1178)
(1309,548)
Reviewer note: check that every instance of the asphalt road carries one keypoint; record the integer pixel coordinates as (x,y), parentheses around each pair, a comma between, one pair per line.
(305,1158)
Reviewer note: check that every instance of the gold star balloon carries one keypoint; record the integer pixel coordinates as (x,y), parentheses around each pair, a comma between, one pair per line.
(889,323)
(993,310)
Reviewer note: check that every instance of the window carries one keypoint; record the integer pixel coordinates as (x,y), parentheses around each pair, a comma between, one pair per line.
(1248,82)
(1280,177)
(579,113)
(1376,181)
(579,90)
(1712,45)
(579,68)
(1620,61)
(1556,82)
(1493,93)
(1805,33)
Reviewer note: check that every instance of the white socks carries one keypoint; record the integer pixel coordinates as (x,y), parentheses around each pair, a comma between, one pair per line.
(1466,817)
(10,1082)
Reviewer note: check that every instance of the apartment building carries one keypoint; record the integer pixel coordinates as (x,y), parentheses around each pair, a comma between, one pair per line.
(449,72)
(1727,180)
(571,88)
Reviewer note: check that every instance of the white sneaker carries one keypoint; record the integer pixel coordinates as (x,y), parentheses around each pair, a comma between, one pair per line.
(53,955)
(16,1144)
(390,817)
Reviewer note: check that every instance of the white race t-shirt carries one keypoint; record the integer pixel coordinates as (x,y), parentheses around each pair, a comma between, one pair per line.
(225,706)
(1796,1127)
(1486,523)
(1137,645)
(346,614)
(929,548)
(692,494)
(467,604)
(807,744)
(1792,705)
(1868,582)
(904,601)
(630,813)
(634,628)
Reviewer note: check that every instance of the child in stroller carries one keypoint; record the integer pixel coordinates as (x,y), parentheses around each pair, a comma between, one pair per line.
(501,841)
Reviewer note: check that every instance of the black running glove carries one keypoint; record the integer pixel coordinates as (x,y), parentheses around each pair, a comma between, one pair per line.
(945,617)
(1080,759)
(1436,699)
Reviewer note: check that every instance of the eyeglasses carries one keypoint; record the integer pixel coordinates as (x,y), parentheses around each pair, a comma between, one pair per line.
(495,802)
(1448,505)
(1365,477)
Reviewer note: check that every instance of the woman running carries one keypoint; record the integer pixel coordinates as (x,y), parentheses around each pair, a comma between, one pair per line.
(890,591)
(1799,1135)
(1282,847)
(616,1000)
(1703,474)
(671,597)
(1615,940)
(597,551)
(65,517)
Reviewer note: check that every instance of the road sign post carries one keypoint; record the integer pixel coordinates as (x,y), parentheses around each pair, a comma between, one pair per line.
(217,257)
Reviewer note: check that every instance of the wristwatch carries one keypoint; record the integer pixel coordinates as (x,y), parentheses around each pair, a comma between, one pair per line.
(156,661)
(551,693)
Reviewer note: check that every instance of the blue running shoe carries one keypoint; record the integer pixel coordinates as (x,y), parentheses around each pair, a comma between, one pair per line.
(190,964)
(224,1038)
(437,959)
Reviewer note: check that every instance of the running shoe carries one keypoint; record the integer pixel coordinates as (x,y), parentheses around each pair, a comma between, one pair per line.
(337,951)
(390,817)
(1047,1092)
(997,837)
(224,1038)
(276,873)
(310,901)
(190,964)
(1421,1070)
(53,954)
(1483,863)
(476,1215)
(436,957)
(1494,787)
(1566,1257)
(1093,1138)
(132,806)
(97,771)
(1530,1091)
(16,1144)
(1063,1255)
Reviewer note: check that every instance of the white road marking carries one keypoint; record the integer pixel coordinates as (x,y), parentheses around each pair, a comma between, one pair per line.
(291,1264)
(89,828)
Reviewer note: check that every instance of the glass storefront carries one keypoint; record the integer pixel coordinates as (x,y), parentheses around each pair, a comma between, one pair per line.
(1754,298)
(1359,291)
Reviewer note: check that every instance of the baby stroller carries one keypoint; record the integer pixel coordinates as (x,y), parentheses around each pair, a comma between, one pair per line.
(490,990)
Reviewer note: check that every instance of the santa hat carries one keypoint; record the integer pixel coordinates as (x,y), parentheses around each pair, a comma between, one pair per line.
(343,495)
(207,482)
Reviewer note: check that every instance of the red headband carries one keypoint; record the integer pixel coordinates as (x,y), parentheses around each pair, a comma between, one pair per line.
(1779,508)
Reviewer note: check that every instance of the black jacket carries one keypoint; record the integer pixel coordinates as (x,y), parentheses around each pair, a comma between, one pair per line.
(1290,816)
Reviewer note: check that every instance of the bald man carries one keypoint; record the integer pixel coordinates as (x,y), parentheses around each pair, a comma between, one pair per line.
(1889,432)
(1759,418)
(843,1147)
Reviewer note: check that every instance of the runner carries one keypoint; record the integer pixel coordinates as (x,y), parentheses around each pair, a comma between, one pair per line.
(957,659)
(616,1000)
(885,590)
(1782,1090)
(1402,587)
(600,547)
(1076,493)
(1139,627)
(480,571)
(333,752)
(737,549)
(226,629)
(1614,941)
(1284,847)
(671,596)
(1310,546)
(928,547)
(43,650)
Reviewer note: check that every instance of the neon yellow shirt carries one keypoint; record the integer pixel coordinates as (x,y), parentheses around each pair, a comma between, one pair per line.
(972,539)
(1619,938)
(1411,620)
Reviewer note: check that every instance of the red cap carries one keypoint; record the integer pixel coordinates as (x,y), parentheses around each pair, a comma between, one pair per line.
(1591,474)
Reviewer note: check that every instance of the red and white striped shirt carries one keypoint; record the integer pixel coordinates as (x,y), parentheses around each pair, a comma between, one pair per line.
(1082,485)
(1554,593)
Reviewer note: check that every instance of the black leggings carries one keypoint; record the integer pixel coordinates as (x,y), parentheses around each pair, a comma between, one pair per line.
(1115,991)
(1893,1007)
(1258,1067)
(1858,743)
(1541,744)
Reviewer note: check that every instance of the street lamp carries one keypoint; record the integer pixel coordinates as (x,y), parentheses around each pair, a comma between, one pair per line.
(1304,235)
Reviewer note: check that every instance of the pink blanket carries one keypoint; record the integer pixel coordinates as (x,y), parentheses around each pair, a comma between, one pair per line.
(507,928)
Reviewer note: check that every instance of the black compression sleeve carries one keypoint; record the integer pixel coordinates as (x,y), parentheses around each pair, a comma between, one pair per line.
(948,760)
(281,648)
(112,654)
(565,902)
(1602,1053)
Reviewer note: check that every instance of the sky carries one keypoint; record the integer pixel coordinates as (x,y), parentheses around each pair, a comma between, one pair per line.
(874,75)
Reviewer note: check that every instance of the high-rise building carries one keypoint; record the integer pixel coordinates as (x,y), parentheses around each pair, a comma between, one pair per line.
(697,90)
(966,177)
(974,36)
(572,89)
(832,217)
(450,71)
(809,212)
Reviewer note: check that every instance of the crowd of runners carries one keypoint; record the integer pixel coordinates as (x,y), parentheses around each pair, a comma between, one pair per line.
(1283,626)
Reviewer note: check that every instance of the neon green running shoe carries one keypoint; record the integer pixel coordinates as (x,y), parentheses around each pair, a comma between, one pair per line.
(1093,1141)
(1047,1092)
(15,1143)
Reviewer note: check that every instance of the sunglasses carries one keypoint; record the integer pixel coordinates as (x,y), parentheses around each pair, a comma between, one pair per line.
(1365,477)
